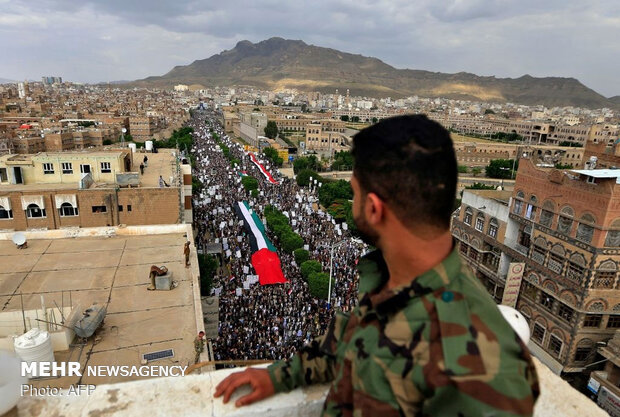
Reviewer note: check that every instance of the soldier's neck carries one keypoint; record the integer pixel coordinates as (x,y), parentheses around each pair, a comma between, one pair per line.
(408,256)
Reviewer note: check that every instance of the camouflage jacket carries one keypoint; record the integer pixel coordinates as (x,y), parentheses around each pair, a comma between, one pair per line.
(437,346)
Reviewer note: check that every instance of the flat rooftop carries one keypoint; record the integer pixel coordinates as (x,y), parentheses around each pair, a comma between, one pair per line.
(498,195)
(161,163)
(112,271)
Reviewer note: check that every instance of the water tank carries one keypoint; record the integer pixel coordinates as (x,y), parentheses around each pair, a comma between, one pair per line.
(132,146)
(34,346)
(148,145)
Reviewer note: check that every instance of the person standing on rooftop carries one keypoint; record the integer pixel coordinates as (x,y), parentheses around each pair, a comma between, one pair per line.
(426,339)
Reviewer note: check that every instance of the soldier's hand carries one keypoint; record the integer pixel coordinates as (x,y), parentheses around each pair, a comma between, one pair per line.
(258,379)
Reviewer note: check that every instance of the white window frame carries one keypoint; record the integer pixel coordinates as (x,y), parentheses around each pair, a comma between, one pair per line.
(106,167)
(48,168)
(82,168)
(67,167)
(63,213)
(28,212)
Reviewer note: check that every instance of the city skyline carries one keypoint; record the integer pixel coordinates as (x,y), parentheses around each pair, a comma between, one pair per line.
(99,42)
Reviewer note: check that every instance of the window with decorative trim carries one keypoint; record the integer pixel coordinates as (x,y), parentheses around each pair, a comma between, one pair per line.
(538,333)
(5,214)
(468,216)
(493,228)
(585,231)
(613,322)
(604,279)
(479,222)
(547,301)
(67,168)
(33,211)
(592,320)
(529,290)
(555,345)
(67,210)
(546,218)
(566,312)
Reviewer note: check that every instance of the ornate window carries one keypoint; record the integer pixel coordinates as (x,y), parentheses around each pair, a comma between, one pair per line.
(530,210)
(67,210)
(576,268)
(584,350)
(613,322)
(33,211)
(538,333)
(529,290)
(613,236)
(565,312)
(547,301)
(493,228)
(585,231)
(547,213)
(468,216)
(555,345)
(479,222)
(556,259)
(592,320)
(5,214)
(565,221)
(605,276)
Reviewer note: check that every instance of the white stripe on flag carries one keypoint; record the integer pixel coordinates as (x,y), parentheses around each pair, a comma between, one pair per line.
(260,239)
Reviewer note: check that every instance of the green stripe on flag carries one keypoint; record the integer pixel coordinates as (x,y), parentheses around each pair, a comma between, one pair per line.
(261,227)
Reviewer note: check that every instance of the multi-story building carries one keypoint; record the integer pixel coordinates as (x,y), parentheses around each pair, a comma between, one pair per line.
(142,128)
(251,126)
(565,228)
(602,156)
(482,153)
(605,384)
(326,136)
(92,188)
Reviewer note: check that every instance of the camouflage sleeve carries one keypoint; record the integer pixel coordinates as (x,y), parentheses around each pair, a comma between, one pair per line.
(474,366)
(313,363)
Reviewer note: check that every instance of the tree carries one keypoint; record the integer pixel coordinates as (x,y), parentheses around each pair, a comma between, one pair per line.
(301,255)
(501,168)
(271,130)
(207,264)
(303,177)
(107,142)
(331,191)
(273,156)
(476,171)
(300,164)
(309,267)
(344,118)
(342,160)
(289,241)
(355,119)
(249,183)
(318,284)
(304,108)
(374,120)
(462,169)
(489,111)
(563,166)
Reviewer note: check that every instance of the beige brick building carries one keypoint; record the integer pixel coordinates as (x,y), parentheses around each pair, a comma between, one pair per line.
(89,189)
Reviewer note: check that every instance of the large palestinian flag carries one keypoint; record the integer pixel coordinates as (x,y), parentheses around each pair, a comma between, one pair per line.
(264,257)
(262,169)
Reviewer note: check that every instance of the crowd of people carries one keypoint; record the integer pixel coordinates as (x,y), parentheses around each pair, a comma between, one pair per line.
(267,322)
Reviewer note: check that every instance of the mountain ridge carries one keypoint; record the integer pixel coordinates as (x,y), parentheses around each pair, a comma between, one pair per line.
(278,63)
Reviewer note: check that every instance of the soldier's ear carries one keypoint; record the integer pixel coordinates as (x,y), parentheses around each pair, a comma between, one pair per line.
(374,209)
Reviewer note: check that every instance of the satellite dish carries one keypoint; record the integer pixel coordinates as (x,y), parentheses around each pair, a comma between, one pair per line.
(124,130)
(19,238)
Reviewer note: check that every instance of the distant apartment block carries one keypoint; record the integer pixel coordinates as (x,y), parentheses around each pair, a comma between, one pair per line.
(142,128)
(251,126)
(326,136)
(51,80)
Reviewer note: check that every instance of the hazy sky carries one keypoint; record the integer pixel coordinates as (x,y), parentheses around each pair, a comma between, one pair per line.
(106,40)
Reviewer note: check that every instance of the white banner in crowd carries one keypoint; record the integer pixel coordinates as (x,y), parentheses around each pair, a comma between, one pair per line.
(246,269)
(238,254)
(239,291)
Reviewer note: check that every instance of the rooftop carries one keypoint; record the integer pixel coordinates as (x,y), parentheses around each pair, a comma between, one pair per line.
(113,271)
(501,196)
(599,173)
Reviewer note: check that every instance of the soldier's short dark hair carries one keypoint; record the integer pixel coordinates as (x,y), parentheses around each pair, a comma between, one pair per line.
(409,162)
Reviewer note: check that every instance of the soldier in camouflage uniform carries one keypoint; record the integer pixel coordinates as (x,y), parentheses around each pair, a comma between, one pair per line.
(426,338)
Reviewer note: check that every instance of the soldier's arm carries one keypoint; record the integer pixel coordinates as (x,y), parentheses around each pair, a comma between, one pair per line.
(314,363)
